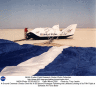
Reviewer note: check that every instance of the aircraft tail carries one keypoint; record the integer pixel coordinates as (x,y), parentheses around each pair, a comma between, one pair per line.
(70,30)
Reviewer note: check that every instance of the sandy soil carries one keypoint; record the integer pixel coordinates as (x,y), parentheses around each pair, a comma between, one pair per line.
(83,37)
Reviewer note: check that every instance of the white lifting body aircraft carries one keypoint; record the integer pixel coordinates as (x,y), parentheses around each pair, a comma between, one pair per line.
(54,32)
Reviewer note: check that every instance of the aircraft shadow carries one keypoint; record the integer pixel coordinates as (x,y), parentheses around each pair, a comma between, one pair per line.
(50,38)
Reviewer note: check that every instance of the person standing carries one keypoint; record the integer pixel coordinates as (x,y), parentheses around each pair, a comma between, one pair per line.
(25,32)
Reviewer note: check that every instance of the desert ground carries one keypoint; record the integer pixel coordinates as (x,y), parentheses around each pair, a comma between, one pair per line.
(79,59)
(83,37)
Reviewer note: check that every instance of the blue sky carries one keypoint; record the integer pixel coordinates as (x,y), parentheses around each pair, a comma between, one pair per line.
(46,13)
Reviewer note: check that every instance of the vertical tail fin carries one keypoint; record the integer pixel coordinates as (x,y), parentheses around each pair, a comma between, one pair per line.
(70,30)
(56,27)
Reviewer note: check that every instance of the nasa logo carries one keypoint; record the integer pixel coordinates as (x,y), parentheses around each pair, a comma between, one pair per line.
(3,78)
(69,30)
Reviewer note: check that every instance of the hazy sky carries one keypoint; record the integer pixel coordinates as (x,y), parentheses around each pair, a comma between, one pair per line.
(46,13)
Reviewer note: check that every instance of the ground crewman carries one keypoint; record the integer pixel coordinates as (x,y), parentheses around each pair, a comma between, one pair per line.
(25,32)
